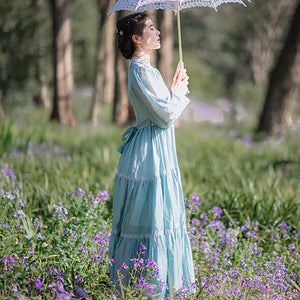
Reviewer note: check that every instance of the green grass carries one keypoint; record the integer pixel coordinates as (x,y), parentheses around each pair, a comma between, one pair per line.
(260,182)
(252,183)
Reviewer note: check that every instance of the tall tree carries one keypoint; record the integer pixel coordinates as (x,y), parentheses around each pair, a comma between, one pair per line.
(121,110)
(109,76)
(165,54)
(2,114)
(19,27)
(62,63)
(103,6)
(265,26)
(41,96)
(122,107)
(284,81)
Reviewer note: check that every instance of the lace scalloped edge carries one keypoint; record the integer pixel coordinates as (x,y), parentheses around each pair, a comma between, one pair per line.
(144,5)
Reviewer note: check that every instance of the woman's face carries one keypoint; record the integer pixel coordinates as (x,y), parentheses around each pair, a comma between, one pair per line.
(150,39)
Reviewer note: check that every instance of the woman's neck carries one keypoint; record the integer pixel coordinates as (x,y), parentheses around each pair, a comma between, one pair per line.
(143,55)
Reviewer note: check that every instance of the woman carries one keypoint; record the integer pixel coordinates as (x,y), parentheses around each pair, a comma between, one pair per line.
(148,205)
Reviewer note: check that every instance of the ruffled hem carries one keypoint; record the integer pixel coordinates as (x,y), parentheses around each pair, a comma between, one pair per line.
(171,253)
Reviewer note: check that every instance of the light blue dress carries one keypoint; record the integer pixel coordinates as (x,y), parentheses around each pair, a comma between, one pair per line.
(148,204)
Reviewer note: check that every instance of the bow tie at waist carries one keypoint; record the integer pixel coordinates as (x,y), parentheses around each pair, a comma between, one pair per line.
(130,132)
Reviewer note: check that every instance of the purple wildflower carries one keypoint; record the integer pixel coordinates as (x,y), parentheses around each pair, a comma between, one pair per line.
(38,284)
(60,211)
(123,266)
(245,226)
(79,192)
(137,262)
(15,289)
(20,203)
(78,278)
(103,195)
(142,283)
(142,247)
(12,260)
(284,226)
(217,211)
(111,261)
(81,292)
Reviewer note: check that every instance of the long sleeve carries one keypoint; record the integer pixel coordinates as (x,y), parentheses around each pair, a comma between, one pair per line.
(163,107)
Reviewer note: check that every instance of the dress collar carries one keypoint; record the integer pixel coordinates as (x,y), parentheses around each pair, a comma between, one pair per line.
(138,59)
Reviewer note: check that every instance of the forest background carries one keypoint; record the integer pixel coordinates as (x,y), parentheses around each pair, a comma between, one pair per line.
(64,107)
(229,55)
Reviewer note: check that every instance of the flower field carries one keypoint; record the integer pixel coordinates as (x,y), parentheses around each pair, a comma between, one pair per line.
(242,207)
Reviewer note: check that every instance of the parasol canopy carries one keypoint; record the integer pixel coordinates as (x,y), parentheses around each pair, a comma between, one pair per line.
(175,5)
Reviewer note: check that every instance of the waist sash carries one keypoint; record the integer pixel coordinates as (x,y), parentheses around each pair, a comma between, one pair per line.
(130,132)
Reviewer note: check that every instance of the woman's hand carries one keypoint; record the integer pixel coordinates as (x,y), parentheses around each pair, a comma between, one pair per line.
(180,80)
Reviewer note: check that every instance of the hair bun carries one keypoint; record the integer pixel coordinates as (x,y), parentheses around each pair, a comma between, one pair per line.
(126,28)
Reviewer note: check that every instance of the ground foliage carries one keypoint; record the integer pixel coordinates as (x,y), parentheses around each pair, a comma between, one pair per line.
(242,205)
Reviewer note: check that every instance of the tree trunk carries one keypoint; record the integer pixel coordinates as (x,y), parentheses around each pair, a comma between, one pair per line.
(100,61)
(122,110)
(62,57)
(3,97)
(121,102)
(41,97)
(268,22)
(99,81)
(109,74)
(2,114)
(283,82)
(165,54)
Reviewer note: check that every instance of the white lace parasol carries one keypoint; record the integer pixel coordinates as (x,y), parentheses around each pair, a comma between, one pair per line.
(143,5)
(175,5)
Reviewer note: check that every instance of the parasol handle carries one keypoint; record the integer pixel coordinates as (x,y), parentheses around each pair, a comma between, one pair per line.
(179,32)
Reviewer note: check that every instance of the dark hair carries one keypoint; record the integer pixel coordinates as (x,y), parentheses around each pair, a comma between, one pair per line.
(127,27)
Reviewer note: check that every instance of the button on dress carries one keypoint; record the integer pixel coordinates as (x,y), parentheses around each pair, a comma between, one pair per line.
(148,203)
